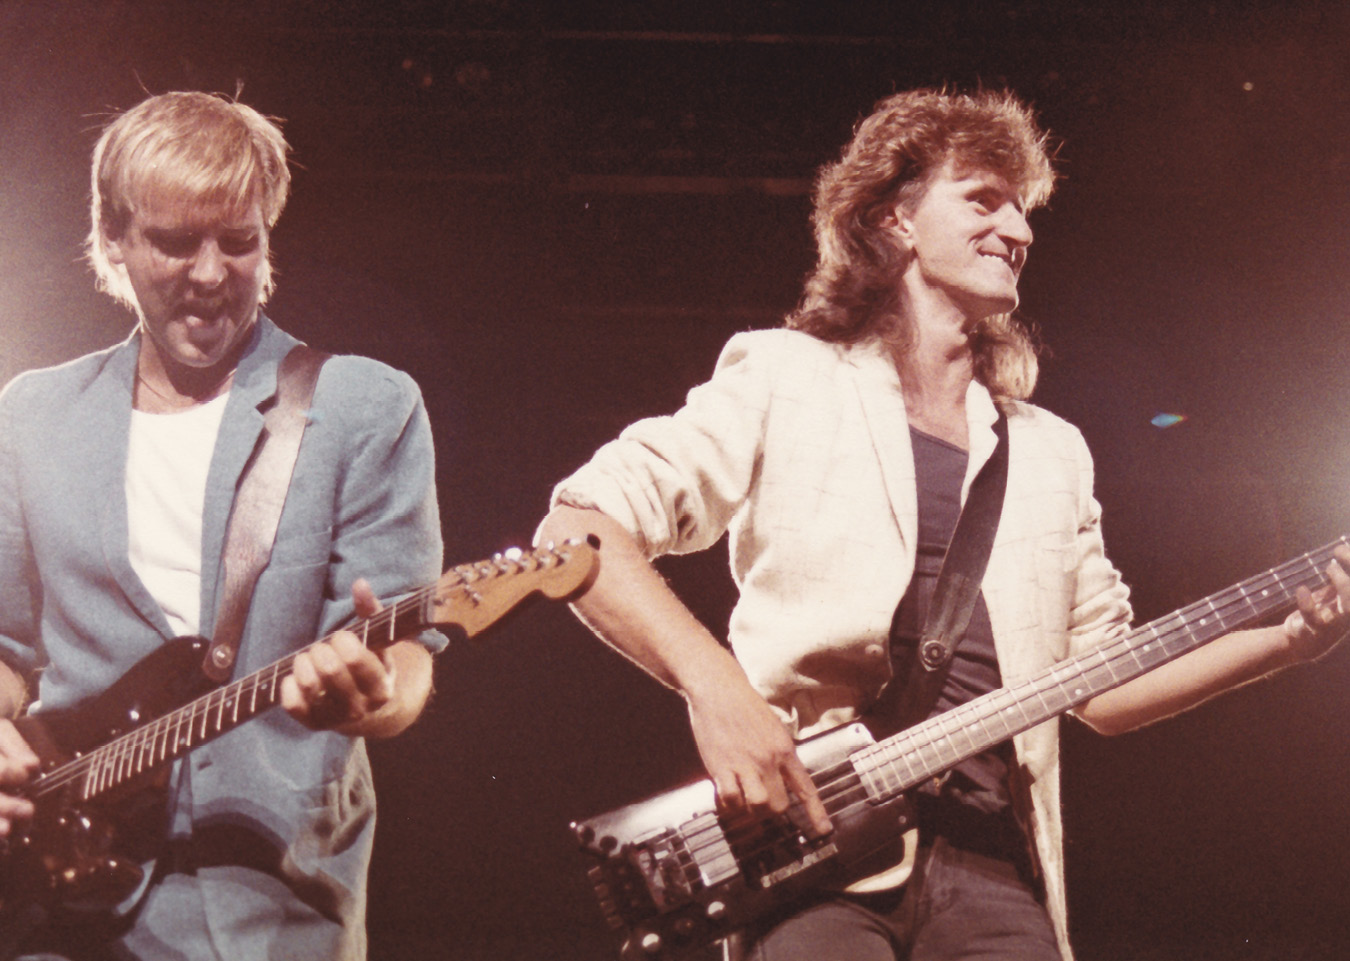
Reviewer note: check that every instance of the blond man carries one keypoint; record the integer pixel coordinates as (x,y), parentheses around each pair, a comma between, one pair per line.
(118,472)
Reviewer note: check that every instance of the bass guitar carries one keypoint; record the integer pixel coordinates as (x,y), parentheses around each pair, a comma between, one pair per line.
(672,876)
(99,759)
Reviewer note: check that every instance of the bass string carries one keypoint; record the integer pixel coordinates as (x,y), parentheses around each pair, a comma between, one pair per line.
(1302,571)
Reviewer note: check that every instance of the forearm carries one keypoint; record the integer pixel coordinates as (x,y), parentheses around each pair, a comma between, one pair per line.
(1321,621)
(1228,662)
(743,742)
(632,609)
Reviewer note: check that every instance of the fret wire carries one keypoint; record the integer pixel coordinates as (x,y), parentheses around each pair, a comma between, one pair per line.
(110,767)
(138,754)
(121,766)
(1178,638)
(220,713)
(176,732)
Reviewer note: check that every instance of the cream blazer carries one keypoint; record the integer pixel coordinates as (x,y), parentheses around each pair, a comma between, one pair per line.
(800,449)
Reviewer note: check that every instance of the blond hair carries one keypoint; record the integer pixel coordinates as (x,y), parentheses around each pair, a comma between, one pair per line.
(196,147)
(853,292)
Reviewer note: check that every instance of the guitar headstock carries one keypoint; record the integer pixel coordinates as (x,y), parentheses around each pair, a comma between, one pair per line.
(473,596)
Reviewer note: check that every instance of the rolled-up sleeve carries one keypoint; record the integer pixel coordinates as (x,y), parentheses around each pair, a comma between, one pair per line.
(1101,604)
(675,482)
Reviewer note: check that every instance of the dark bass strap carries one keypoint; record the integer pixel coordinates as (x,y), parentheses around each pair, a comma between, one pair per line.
(958,585)
(257,505)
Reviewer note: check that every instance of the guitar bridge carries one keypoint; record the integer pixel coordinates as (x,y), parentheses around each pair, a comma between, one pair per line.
(823,850)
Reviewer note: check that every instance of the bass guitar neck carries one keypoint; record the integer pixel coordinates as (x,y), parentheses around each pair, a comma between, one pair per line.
(672,875)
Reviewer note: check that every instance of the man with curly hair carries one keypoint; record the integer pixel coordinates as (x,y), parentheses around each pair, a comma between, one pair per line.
(837,454)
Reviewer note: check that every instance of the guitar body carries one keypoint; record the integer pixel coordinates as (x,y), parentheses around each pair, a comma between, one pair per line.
(98,795)
(85,853)
(674,876)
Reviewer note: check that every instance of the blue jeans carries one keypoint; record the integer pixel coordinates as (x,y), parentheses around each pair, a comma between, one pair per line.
(959,905)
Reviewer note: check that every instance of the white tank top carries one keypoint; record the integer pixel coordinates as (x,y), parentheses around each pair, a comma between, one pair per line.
(168,456)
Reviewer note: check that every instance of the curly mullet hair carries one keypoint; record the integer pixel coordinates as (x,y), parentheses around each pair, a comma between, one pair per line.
(852,294)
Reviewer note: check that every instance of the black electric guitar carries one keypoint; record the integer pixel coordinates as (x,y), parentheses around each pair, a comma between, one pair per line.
(672,876)
(99,759)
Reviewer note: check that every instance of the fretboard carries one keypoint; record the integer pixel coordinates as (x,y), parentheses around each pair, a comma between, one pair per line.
(172,735)
(900,762)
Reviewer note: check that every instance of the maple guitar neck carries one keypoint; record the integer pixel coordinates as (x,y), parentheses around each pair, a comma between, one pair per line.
(469,596)
(903,761)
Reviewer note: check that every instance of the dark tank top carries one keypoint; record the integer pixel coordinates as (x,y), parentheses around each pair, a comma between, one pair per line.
(980,782)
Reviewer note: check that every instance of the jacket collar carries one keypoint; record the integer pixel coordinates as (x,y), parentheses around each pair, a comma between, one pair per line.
(883,404)
(255,384)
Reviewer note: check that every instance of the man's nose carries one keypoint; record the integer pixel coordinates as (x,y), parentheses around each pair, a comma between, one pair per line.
(208,267)
(1015,228)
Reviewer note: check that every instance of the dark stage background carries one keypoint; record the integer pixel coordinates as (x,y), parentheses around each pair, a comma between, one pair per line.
(553,214)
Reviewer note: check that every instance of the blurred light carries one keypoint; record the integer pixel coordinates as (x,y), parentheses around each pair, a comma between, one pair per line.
(1248,86)
(1167,420)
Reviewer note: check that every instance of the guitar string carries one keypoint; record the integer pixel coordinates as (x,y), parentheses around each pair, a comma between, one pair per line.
(854,781)
(1303,571)
(129,749)
(124,748)
(739,829)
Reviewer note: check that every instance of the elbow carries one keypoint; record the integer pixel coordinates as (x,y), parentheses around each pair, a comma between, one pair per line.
(564,523)
(1105,718)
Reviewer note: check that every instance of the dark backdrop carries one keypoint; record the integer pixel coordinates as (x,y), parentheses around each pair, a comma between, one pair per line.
(553,214)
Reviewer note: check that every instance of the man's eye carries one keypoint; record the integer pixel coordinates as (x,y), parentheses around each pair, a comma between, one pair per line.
(175,245)
(238,246)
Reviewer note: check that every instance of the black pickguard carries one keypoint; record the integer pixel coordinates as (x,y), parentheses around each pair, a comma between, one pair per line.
(87,853)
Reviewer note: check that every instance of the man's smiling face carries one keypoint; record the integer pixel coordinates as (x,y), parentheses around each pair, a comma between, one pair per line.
(968,238)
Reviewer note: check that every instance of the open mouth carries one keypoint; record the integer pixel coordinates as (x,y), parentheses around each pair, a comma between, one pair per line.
(203,312)
(1012,261)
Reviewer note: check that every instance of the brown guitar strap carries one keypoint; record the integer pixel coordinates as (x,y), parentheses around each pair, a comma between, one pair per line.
(257,504)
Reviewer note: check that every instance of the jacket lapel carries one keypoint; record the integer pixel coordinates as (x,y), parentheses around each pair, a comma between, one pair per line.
(109,416)
(255,384)
(981,415)
(883,406)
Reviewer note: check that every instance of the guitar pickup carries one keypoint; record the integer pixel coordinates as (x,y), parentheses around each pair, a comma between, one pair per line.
(819,853)
(662,862)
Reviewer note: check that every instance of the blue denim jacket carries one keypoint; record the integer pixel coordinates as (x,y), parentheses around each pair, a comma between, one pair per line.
(362,503)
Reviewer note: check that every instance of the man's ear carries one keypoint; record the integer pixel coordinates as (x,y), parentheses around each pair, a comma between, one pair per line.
(898,220)
(901,227)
